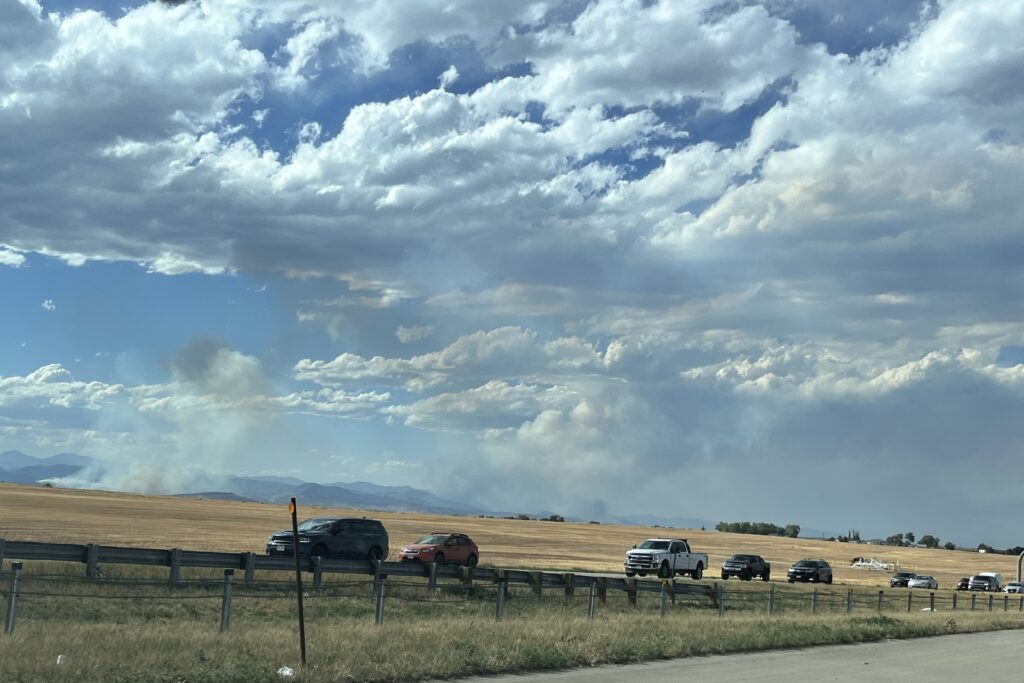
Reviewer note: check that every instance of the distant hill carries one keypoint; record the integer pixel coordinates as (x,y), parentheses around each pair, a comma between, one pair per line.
(15,460)
(18,468)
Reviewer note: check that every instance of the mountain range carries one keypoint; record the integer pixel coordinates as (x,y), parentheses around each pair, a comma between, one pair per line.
(18,468)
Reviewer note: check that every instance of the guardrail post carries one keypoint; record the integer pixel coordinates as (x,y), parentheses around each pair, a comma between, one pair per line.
(466,575)
(499,605)
(991,599)
(175,575)
(537,579)
(931,601)
(225,602)
(12,598)
(672,591)
(720,590)
(771,599)
(1006,602)
(954,602)
(974,600)
(92,561)
(570,588)
(591,599)
(1021,607)
(814,600)
(250,569)
(664,598)
(881,598)
(432,576)
(849,601)
(318,572)
(631,591)
(602,590)
(910,598)
(379,613)
(2,544)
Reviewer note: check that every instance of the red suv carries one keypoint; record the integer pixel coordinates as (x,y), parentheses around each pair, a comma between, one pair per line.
(443,548)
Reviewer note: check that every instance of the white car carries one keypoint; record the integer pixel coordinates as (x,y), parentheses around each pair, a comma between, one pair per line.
(922,581)
(1014,587)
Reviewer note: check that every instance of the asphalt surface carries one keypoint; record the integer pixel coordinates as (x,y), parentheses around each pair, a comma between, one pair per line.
(992,656)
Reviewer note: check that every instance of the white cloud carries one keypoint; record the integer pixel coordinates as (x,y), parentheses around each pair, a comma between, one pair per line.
(49,305)
(450,75)
(407,335)
(11,258)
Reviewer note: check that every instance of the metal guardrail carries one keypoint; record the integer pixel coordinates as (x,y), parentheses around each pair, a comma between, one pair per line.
(93,556)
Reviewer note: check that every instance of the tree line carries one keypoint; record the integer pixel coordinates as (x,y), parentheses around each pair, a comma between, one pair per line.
(759,528)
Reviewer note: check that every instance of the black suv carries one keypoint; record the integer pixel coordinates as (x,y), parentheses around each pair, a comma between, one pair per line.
(746,567)
(900,579)
(334,537)
(810,570)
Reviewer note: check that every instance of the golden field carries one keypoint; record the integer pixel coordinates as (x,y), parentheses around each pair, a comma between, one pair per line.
(31,513)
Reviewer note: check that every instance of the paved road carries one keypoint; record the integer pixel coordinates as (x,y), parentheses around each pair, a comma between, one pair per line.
(996,656)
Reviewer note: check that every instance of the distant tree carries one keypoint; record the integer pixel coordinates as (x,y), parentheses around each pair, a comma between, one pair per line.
(909,536)
(523,517)
(1015,550)
(929,541)
(984,548)
(949,545)
(593,522)
(553,518)
(895,539)
(792,530)
(855,536)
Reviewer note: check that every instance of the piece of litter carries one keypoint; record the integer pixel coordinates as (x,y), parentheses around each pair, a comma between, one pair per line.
(286,672)
(61,659)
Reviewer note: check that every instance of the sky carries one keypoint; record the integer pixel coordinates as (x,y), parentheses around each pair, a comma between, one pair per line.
(732,260)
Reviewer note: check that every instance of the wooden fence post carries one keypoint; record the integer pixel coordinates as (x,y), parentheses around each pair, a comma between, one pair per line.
(954,602)
(570,588)
(12,598)
(175,574)
(771,599)
(849,601)
(500,599)
(720,590)
(814,600)
(466,575)
(382,579)
(602,590)
(881,597)
(590,599)
(92,557)
(910,598)
(631,591)
(318,572)
(250,569)
(432,576)
(225,602)
(537,581)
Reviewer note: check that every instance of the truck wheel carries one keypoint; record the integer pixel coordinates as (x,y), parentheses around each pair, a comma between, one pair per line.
(766,576)
(642,573)
(664,572)
(698,572)
(725,577)
(629,573)
(829,579)
(747,575)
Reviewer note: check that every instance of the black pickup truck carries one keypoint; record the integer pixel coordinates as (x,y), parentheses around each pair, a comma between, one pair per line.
(746,567)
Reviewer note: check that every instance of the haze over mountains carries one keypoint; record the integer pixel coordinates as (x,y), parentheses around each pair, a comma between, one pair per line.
(70,470)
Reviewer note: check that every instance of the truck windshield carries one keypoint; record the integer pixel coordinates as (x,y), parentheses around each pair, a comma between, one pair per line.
(654,545)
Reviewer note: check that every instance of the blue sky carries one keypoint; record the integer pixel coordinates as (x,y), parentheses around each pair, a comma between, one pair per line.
(565,255)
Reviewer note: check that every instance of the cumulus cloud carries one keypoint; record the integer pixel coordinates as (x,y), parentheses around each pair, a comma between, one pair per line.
(407,335)
(646,242)
(49,305)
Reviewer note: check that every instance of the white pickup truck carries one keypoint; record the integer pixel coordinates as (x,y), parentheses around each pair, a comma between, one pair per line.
(666,557)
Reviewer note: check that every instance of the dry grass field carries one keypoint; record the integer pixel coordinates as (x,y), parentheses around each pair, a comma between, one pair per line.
(75,516)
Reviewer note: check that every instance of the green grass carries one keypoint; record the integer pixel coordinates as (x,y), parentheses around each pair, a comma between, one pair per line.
(135,628)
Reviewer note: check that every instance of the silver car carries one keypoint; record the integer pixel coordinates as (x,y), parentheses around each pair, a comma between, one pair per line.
(1014,587)
(923,581)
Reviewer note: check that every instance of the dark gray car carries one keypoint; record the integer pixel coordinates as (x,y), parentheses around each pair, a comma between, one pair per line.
(334,537)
